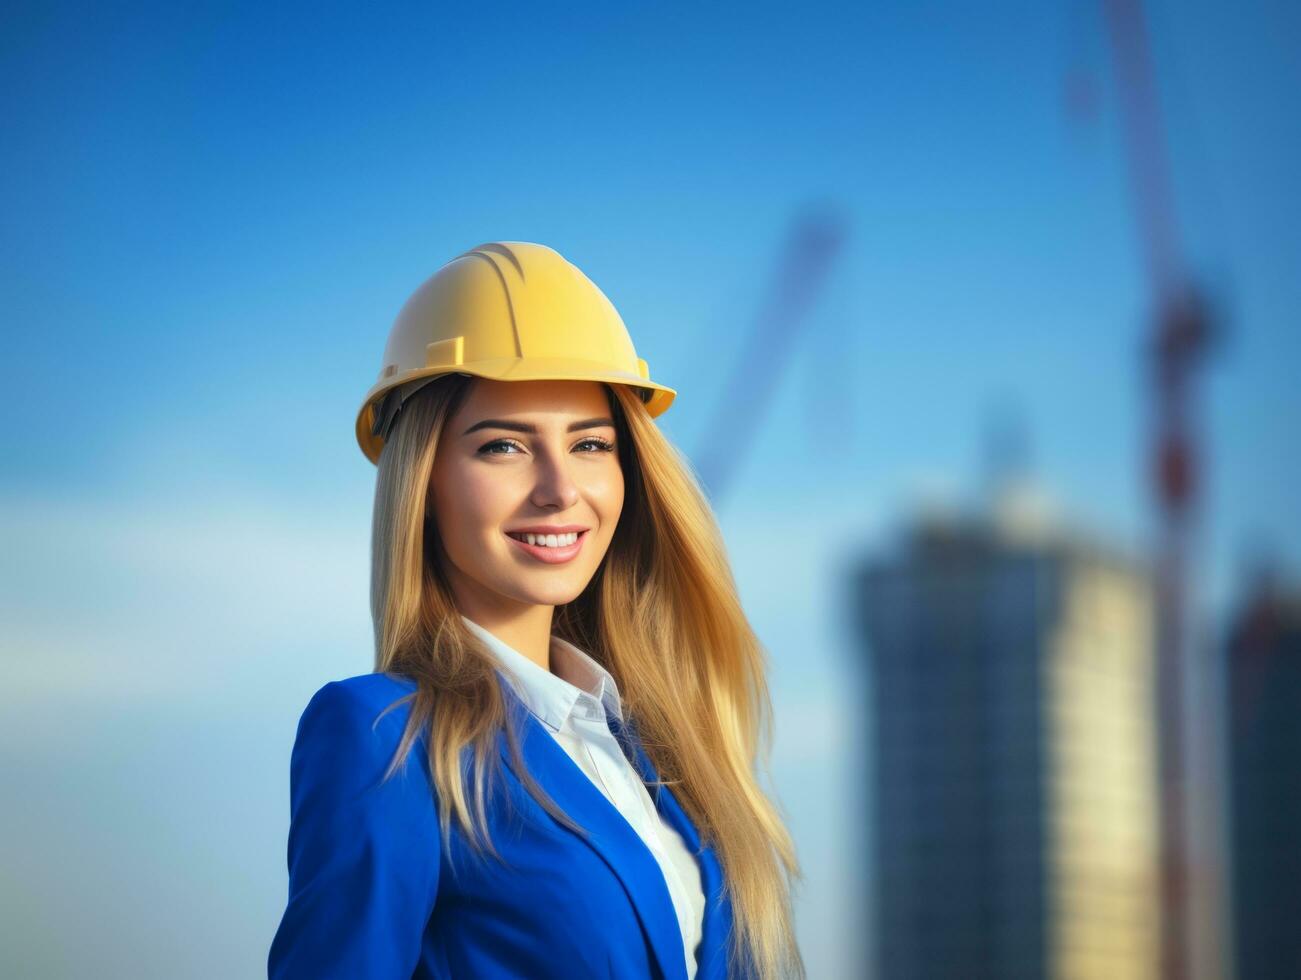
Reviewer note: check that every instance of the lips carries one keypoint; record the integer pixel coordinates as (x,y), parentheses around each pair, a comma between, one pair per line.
(547,529)
(550,556)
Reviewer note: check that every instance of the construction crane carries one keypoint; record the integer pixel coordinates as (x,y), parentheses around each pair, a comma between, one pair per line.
(815,238)
(1182,331)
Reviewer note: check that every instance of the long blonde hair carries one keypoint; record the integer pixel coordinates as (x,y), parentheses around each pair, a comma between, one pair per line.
(661,614)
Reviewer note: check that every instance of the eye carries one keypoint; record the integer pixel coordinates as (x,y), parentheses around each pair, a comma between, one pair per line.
(497,442)
(487,449)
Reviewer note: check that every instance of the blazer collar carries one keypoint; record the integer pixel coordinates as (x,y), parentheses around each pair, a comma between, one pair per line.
(614,839)
(715,933)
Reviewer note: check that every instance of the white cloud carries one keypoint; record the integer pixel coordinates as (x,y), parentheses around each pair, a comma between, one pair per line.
(131,600)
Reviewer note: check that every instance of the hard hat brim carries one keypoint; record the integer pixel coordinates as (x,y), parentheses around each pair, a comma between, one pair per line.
(508,369)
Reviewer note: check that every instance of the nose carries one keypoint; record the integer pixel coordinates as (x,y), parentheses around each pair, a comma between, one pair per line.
(554,487)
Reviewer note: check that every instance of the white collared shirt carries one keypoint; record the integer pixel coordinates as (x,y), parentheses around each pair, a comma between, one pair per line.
(572,701)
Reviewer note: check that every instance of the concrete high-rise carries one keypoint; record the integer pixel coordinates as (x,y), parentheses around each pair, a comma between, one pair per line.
(1264,746)
(1015,777)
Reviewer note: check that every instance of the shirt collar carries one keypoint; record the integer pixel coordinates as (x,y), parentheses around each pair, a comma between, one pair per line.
(551,694)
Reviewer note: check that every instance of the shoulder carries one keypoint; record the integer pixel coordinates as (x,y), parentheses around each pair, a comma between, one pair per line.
(363,691)
(351,715)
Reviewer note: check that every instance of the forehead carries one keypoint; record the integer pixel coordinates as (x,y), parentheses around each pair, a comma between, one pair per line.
(517,399)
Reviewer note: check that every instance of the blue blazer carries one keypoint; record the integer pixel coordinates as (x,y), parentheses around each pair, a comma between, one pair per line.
(373,896)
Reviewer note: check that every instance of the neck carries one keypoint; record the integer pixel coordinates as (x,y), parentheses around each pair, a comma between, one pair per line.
(523,628)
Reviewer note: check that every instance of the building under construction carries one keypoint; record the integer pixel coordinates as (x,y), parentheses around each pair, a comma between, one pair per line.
(1264,737)
(1016,783)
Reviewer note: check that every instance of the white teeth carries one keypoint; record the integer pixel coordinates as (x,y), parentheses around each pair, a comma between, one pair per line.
(551,540)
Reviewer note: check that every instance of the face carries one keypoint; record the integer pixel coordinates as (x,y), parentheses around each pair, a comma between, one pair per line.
(520,455)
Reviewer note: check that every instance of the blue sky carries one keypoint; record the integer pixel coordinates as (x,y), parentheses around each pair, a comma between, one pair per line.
(213,214)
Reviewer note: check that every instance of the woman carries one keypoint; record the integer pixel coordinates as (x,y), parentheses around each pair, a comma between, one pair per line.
(550,773)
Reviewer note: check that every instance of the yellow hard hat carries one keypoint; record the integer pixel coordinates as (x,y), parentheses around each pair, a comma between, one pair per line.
(511,311)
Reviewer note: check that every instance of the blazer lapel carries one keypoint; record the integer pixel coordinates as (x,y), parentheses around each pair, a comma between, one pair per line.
(610,835)
(715,933)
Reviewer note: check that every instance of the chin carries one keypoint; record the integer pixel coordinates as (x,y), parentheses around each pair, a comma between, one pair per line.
(557,595)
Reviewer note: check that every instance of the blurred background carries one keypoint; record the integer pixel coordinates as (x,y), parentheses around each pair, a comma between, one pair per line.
(983,324)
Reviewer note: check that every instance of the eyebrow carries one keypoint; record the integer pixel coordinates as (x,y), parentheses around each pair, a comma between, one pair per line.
(532,429)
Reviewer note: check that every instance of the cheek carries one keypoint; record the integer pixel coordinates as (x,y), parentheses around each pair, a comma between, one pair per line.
(471,503)
(605,491)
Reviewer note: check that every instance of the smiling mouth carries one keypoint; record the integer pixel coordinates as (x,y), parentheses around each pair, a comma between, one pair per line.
(547,540)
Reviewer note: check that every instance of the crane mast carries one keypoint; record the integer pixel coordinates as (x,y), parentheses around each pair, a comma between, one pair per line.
(1180,333)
